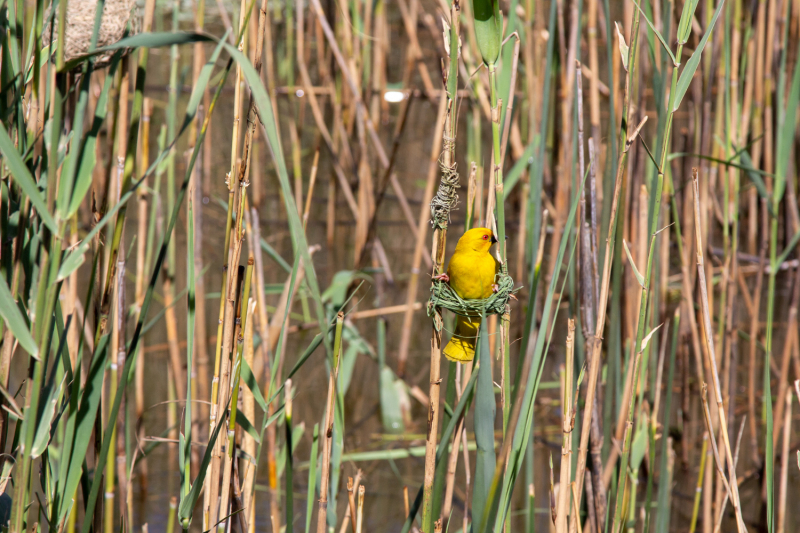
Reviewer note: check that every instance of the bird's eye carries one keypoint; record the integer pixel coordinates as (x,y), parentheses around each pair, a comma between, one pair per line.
(485,237)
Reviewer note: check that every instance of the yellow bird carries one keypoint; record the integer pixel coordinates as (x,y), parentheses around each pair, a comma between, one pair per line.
(471,274)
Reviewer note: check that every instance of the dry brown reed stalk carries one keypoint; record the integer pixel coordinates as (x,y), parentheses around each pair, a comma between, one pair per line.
(365,196)
(413,284)
(567,421)
(709,336)
(311,183)
(575,510)
(787,432)
(142,196)
(328,429)
(405,500)
(591,508)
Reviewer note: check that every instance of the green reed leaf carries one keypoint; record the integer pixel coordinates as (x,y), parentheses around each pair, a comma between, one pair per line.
(685,24)
(15,321)
(691,66)
(24,179)
(657,34)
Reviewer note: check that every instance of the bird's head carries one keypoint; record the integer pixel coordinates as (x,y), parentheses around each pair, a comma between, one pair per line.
(476,240)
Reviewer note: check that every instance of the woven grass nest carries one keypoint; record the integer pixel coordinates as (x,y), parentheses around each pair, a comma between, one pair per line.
(117,15)
(443,296)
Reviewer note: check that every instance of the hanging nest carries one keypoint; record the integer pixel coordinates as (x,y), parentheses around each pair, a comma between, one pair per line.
(442,294)
(119,16)
(444,297)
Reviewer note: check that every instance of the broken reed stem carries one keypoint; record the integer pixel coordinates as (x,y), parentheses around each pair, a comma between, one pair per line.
(351,508)
(360,511)
(328,428)
(709,335)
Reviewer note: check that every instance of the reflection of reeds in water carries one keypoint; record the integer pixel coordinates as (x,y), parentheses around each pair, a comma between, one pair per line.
(641,140)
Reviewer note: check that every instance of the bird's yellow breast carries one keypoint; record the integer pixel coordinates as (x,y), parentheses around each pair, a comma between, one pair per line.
(472,274)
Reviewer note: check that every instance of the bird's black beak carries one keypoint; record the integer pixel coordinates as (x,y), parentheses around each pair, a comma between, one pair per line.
(494,239)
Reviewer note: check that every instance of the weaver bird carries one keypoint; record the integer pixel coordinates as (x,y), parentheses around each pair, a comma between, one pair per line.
(471,274)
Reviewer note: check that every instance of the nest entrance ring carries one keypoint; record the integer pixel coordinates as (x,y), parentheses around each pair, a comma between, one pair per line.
(444,297)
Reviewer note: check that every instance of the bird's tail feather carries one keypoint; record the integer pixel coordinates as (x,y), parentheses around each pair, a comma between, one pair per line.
(461,347)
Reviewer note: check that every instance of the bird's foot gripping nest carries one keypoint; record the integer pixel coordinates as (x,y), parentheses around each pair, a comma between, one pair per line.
(444,297)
